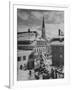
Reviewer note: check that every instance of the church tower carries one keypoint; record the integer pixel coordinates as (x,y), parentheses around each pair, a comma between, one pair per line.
(43,30)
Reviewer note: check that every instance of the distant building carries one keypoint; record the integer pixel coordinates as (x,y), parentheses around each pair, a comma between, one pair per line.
(57,46)
(57,53)
(25,40)
(42,47)
(59,38)
(25,45)
(27,36)
(22,58)
(42,44)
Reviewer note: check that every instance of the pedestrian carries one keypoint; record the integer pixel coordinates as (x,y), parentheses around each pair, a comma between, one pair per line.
(52,73)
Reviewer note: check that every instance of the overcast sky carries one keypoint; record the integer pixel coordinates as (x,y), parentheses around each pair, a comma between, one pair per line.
(32,19)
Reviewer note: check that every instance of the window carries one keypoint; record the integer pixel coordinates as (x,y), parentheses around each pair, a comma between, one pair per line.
(21,67)
(24,57)
(18,59)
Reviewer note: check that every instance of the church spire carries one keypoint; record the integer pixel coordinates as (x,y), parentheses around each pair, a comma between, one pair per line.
(43,29)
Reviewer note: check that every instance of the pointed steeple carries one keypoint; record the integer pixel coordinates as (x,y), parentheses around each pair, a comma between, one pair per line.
(43,29)
(43,26)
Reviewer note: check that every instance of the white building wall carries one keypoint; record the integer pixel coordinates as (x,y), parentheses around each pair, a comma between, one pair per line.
(22,53)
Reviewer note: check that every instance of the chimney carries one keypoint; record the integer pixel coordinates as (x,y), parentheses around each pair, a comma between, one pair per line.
(59,32)
(29,30)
